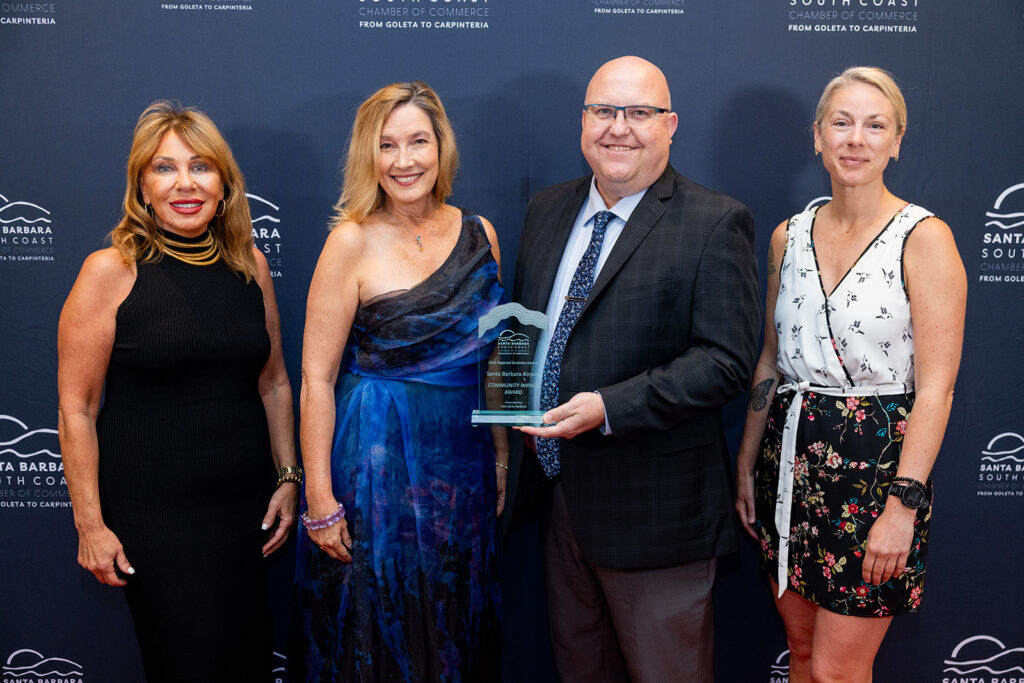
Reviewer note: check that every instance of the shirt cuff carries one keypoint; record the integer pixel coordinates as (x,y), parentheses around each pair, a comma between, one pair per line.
(606,428)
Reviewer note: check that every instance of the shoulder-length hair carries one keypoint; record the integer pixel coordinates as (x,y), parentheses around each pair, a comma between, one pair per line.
(137,236)
(362,194)
(870,75)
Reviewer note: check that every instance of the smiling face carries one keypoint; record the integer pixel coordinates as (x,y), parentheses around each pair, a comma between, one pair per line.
(408,156)
(857,135)
(182,187)
(626,159)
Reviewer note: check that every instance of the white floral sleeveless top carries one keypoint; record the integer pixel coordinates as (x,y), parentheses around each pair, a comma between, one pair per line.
(859,335)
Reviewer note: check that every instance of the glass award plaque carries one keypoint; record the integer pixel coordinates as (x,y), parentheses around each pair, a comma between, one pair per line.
(508,374)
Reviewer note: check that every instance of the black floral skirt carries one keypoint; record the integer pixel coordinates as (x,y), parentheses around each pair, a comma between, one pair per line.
(847,453)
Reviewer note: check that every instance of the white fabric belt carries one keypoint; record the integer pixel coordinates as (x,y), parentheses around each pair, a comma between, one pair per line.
(787,457)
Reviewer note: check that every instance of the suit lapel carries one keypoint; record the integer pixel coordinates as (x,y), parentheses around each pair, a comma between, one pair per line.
(550,245)
(644,217)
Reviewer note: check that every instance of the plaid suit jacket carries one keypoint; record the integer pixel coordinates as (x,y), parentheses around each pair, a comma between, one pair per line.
(668,336)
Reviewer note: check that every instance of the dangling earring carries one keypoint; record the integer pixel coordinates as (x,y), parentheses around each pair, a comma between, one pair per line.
(896,156)
(817,152)
(222,206)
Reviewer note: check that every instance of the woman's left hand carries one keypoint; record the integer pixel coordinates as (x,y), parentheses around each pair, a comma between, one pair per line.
(502,484)
(281,509)
(889,542)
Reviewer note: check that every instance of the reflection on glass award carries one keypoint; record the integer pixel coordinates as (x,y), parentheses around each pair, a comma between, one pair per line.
(509,378)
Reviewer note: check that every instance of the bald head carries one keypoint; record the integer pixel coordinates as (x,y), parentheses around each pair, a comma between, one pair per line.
(627,156)
(616,74)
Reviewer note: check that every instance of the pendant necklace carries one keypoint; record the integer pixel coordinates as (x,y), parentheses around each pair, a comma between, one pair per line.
(419,242)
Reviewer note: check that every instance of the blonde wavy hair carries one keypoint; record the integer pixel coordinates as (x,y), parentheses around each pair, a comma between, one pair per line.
(362,194)
(871,75)
(137,236)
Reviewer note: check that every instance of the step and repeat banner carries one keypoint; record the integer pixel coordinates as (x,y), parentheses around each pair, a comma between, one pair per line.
(283,78)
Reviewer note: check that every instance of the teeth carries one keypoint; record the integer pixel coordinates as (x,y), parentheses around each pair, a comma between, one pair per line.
(186,205)
(619,148)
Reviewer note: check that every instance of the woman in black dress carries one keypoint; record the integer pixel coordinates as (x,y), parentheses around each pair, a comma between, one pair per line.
(175,326)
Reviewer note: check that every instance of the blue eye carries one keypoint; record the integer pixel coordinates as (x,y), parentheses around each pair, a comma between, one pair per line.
(200,168)
(164,168)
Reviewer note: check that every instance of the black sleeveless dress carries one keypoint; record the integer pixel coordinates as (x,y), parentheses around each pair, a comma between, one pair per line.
(185,470)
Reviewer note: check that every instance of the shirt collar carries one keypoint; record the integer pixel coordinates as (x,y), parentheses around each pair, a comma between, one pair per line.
(623,208)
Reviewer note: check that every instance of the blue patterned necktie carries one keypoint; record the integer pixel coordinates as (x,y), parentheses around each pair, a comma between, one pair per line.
(579,290)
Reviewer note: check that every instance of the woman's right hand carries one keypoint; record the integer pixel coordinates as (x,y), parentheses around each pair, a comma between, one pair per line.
(745,499)
(100,551)
(333,540)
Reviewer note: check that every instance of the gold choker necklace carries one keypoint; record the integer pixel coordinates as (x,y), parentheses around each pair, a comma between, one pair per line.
(201,253)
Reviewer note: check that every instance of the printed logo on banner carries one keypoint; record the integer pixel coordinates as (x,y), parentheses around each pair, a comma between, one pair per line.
(29,666)
(817,201)
(780,669)
(1002,244)
(424,15)
(26,231)
(852,16)
(645,7)
(984,659)
(266,231)
(1001,469)
(279,674)
(31,471)
(221,5)
(28,13)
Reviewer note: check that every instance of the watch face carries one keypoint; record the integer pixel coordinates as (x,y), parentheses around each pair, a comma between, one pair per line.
(914,497)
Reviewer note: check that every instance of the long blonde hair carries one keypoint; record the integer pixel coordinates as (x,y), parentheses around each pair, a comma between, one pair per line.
(137,236)
(362,194)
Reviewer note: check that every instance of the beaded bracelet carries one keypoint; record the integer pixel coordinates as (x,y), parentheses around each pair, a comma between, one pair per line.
(501,465)
(291,474)
(329,520)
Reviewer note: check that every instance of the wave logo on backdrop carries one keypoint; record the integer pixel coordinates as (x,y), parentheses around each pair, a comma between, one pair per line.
(1001,469)
(279,673)
(26,231)
(1002,243)
(29,666)
(817,201)
(418,15)
(266,230)
(852,16)
(780,669)
(984,656)
(645,7)
(31,471)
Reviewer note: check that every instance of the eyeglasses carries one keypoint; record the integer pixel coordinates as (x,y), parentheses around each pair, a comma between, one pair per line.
(635,114)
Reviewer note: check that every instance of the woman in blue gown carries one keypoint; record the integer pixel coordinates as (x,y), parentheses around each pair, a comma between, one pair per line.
(397,579)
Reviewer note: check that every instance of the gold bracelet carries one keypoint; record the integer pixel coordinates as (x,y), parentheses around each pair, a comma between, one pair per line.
(291,474)
(501,465)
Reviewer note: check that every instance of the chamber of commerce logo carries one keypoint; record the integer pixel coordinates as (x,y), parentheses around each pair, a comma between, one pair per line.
(279,674)
(29,666)
(817,201)
(852,16)
(646,7)
(1001,469)
(1002,243)
(31,471)
(222,5)
(28,13)
(26,231)
(780,669)
(424,15)
(266,230)
(983,658)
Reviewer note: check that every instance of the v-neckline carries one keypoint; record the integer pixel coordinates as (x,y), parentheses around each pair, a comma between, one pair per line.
(839,282)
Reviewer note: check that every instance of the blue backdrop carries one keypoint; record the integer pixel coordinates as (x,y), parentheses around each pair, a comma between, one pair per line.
(283,79)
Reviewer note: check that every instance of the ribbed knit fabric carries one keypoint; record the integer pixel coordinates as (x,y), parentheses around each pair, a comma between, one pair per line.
(186,471)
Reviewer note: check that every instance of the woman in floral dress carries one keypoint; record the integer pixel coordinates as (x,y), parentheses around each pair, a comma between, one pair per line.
(852,392)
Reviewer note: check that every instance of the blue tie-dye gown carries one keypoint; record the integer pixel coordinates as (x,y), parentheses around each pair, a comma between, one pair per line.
(420,600)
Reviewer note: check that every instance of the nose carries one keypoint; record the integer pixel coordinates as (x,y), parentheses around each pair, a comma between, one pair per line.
(857,136)
(185,180)
(619,125)
(405,158)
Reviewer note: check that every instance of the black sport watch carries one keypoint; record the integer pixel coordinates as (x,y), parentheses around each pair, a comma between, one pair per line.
(911,493)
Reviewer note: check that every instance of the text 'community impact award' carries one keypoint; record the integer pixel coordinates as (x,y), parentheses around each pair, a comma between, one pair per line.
(509,378)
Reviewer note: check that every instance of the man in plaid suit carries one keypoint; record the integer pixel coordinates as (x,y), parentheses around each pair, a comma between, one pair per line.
(654,312)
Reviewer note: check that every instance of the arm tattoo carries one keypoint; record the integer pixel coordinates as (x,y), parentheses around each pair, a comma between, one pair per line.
(771,259)
(759,395)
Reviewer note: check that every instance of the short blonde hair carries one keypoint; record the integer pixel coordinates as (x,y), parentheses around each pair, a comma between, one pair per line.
(362,194)
(137,236)
(871,75)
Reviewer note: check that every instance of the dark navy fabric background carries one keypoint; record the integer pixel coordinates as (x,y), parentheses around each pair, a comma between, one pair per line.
(282,79)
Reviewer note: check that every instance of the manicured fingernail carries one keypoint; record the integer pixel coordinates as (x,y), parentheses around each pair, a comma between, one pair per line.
(264,526)
(131,570)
